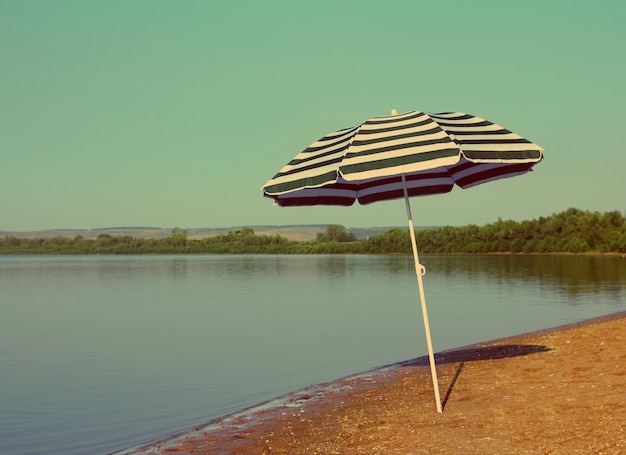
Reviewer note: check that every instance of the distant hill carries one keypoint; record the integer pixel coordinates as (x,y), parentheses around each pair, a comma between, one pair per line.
(301,233)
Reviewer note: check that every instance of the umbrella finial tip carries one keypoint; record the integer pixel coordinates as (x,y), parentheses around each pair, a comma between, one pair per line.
(394,112)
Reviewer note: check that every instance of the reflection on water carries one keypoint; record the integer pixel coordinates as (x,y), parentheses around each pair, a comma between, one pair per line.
(571,274)
(101,353)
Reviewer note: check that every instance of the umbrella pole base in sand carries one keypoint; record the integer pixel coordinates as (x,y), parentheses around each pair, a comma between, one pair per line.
(420,270)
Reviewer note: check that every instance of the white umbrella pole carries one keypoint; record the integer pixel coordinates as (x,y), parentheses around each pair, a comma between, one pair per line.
(419,271)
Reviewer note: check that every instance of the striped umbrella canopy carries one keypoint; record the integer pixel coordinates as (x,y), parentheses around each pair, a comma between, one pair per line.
(433,151)
(399,156)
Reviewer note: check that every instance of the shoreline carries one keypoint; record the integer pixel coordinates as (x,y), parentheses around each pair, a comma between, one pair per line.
(341,416)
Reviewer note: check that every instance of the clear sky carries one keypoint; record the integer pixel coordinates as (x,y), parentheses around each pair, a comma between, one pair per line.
(174,113)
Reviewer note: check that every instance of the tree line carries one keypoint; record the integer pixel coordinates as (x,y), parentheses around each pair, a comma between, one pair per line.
(571,231)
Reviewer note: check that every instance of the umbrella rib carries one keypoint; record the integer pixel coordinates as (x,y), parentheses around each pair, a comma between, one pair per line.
(331,136)
(336,140)
(339,151)
(504,155)
(314,181)
(310,167)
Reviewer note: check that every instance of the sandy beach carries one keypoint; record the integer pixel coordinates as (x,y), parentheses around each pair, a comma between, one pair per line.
(558,391)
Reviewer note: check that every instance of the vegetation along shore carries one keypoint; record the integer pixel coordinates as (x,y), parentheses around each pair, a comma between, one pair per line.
(571,231)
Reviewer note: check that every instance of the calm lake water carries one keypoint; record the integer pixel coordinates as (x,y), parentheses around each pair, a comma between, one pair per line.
(98,354)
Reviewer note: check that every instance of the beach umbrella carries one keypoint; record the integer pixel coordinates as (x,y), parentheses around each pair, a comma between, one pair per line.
(400,156)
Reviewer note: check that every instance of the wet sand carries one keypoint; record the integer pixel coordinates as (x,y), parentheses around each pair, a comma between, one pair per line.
(558,391)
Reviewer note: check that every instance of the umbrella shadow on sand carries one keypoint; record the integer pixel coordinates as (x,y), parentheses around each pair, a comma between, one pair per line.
(476,354)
